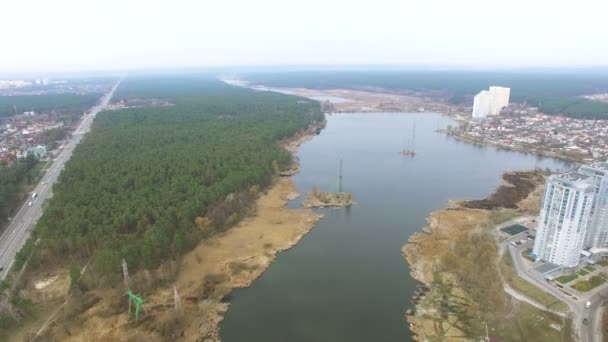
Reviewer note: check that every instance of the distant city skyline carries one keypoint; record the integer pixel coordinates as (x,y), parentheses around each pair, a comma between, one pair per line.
(70,35)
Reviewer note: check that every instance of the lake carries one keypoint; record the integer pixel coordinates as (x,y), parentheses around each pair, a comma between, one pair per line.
(347,280)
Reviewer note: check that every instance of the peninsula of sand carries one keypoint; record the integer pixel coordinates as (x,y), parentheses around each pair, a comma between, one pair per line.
(202,279)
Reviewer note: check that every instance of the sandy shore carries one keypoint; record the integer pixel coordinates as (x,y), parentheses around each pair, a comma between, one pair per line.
(204,279)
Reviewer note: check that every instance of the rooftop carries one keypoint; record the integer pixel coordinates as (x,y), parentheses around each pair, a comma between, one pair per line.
(573,176)
(573,179)
(546,268)
(597,166)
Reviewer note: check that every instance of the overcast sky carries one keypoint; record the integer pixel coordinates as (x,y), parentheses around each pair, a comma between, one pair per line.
(68,35)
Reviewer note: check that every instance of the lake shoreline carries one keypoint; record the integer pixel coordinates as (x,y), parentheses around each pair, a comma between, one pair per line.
(208,274)
(379,100)
(463,138)
(272,213)
(424,251)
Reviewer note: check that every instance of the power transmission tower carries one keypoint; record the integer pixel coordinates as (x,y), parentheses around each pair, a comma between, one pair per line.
(138,302)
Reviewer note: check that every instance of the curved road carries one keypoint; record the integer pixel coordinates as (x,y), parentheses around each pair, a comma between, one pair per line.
(18,231)
(598,305)
(590,332)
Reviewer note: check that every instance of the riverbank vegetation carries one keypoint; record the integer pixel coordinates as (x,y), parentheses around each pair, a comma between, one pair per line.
(458,259)
(318,199)
(148,183)
(554,92)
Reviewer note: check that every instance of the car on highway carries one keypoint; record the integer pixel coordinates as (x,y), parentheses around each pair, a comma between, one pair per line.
(587,305)
(29,204)
(34,195)
(585,321)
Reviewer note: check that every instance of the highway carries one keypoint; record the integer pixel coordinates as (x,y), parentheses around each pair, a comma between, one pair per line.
(18,231)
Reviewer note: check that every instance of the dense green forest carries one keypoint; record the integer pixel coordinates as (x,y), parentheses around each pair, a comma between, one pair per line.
(553,92)
(65,103)
(139,180)
(11,179)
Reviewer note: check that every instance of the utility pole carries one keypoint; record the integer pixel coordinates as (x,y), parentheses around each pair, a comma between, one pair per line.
(176,298)
(414,135)
(125,273)
(487,336)
(340,187)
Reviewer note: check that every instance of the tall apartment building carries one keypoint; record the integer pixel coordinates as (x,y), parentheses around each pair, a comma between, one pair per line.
(597,237)
(490,102)
(565,218)
(499,99)
(481,105)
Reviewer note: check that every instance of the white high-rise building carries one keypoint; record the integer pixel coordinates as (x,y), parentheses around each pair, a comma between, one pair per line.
(564,218)
(490,102)
(481,105)
(499,99)
(597,237)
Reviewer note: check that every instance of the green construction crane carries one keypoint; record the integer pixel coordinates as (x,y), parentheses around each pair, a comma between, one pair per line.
(138,302)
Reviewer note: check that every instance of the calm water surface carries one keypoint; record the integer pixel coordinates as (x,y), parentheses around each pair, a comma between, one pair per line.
(347,280)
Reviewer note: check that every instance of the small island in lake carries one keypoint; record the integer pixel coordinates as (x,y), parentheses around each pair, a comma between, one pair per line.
(318,199)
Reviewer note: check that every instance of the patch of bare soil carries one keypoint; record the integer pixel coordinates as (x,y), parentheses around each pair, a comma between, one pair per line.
(134,103)
(378,100)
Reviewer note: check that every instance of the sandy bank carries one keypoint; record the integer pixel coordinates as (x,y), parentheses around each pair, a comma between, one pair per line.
(204,278)
(455,258)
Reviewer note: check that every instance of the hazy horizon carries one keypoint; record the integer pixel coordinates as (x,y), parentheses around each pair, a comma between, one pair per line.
(73,36)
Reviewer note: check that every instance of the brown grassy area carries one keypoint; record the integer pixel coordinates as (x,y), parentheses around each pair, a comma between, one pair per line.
(457,258)
(204,278)
(379,100)
(518,186)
